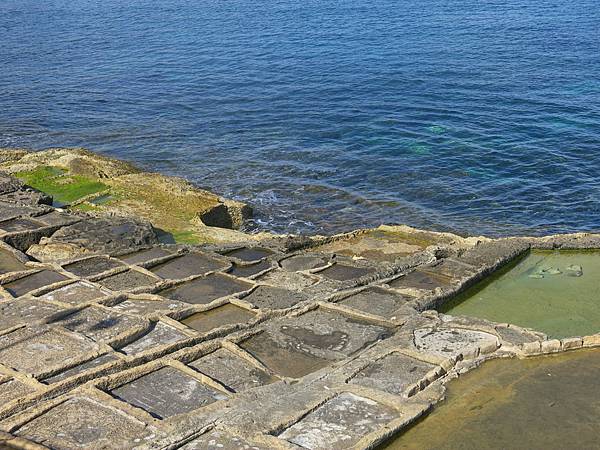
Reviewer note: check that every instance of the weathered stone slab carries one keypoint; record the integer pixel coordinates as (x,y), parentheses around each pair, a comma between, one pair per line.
(99,324)
(75,294)
(296,346)
(12,389)
(96,362)
(375,300)
(188,265)
(36,351)
(228,314)
(32,282)
(143,307)
(167,392)
(232,371)
(159,334)
(220,440)
(249,270)
(205,290)
(86,268)
(345,272)
(249,254)
(107,235)
(142,256)
(81,422)
(394,373)
(490,253)
(303,262)
(127,281)
(268,297)
(23,311)
(452,342)
(9,263)
(339,423)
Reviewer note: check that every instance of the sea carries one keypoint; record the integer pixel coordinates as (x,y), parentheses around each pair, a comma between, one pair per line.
(471,116)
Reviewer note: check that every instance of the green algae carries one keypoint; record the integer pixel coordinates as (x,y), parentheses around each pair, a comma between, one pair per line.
(547,402)
(62,187)
(544,291)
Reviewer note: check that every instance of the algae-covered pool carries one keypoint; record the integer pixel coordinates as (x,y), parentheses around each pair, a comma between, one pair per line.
(546,402)
(555,292)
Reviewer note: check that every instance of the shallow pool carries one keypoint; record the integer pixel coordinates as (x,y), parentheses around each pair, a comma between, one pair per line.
(547,402)
(557,293)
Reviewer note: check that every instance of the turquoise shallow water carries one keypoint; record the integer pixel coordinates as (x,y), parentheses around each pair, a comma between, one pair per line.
(478,117)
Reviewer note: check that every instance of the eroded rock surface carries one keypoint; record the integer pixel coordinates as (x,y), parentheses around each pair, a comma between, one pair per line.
(111,339)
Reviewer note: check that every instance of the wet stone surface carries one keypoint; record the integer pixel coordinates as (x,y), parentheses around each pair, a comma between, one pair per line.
(233,372)
(205,290)
(167,392)
(188,265)
(228,314)
(394,373)
(92,266)
(32,282)
(76,293)
(127,281)
(339,423)
(81,422)
(268,297)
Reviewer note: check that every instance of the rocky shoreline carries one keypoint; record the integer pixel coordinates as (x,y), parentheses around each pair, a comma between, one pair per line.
(110,338)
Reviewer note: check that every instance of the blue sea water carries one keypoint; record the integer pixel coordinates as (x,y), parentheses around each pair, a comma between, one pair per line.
(477,116)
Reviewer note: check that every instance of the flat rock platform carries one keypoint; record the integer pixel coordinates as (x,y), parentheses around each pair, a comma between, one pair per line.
(110,339)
